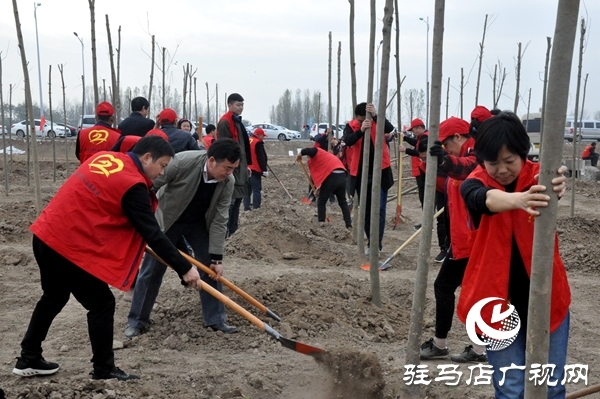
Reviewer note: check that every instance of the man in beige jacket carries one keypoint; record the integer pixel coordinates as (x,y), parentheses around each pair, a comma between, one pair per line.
(194,197)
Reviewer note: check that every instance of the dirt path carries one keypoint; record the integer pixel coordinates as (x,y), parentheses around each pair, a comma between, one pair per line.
(308,274)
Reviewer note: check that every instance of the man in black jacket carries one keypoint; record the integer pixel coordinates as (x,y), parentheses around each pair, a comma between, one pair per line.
(137,123)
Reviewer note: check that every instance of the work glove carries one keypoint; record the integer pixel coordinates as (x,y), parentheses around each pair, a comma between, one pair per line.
(266,174)
(438,151)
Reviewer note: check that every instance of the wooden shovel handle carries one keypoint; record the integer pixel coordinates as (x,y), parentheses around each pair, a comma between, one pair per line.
(221,297)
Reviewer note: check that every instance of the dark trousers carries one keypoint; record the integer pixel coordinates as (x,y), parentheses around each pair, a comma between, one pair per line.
(382,210)
(593,158)
(334,184)
(442,235)
(234,216)
(421,187)
(255,192)
(448,280)
(152,272)
(60,278)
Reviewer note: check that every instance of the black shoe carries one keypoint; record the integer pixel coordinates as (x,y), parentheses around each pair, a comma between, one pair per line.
(29,368)
(115,373)
(469,356)
(429,350)
(417,227)
(441,256)
(224,328)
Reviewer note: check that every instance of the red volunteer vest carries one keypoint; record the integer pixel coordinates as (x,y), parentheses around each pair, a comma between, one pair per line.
(208,140)
(354,159)
(488,269)
(95,139)
(416,165)
(458,213)
(586,152)
(255,167)
(228,116)
(321,166)
(85,223)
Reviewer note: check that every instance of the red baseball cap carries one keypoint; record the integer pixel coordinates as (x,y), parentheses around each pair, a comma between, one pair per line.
(167,116)
(105,109)
(415,123)
(259,132)
(480,113)
(158,132)
(451,126)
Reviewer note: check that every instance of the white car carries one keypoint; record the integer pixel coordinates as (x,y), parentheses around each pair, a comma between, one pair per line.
(295,133)
(274,132)
(20,128)
(322,127)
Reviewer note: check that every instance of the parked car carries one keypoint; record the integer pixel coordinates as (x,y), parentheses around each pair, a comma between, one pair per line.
(322,128)
(72,132)
(274,132)
(87,121)
(295,133)
(195,125)
(590,130)
(20,128)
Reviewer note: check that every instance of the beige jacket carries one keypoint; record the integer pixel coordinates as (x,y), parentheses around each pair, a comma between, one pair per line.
(177,187)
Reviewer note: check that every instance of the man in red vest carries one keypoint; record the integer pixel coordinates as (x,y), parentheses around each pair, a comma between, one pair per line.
(207,140)
(230,126)
(258,168)
(329,176)
(100,137)
(108,203)
(590,153)
(353,137)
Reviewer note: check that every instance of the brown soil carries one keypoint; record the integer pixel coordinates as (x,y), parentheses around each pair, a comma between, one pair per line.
(306,273)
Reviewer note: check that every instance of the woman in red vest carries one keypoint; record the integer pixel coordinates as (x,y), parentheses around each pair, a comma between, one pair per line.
(502,195)
(258,168)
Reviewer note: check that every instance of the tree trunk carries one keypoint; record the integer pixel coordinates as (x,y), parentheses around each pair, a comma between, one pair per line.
(186,70)
(29,106)
(418,305)
(546,67)
(104,88)
(518,79)
(367,142)
(151,74)
(196,107)
(164,83)
(94,62)
(118,105)
(494,86)
(3,131)
(52,123)
(207,105)
(398,81)
(481,45)
(576,133)
(216,101)
(545,225)
(62,79)
(388,18)
(113,74)
(337,106)
(462,91)
(352,57)
(10,90)
(190,95)
(447,96)
(329,116)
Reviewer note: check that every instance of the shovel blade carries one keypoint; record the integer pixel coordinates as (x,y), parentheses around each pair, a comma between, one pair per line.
(305,200)
(301,348)
(367,266)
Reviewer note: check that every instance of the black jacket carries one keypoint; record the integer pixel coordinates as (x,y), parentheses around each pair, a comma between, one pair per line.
(136,124)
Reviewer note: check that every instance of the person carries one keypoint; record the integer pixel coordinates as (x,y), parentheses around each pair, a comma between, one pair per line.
(456,158)
(322,139)
(258,168)
(590,153)
(418,170)
(108,202)
(329,177)
(478,115)
(502,196)
(100,137)
(179,139)
(208,139)
(185,125)
(194,197)
(230,126)
(137,123)
(354,133)
(126,143)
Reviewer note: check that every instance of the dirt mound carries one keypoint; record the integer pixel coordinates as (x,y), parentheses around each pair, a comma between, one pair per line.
(577,237)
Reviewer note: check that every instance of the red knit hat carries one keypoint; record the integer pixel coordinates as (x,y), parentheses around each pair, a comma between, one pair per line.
(481,113)
(167,116)
(451,126)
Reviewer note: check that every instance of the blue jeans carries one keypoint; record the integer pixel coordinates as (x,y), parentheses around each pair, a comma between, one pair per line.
(256,188)
(514,382)
(152,271)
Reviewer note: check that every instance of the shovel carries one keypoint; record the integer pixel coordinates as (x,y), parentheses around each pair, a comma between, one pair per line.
(279,181)
(285,342)
(232,287)
(312,186)
(385,265)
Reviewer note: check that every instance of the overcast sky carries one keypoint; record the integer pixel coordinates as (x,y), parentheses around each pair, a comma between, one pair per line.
(259,48)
